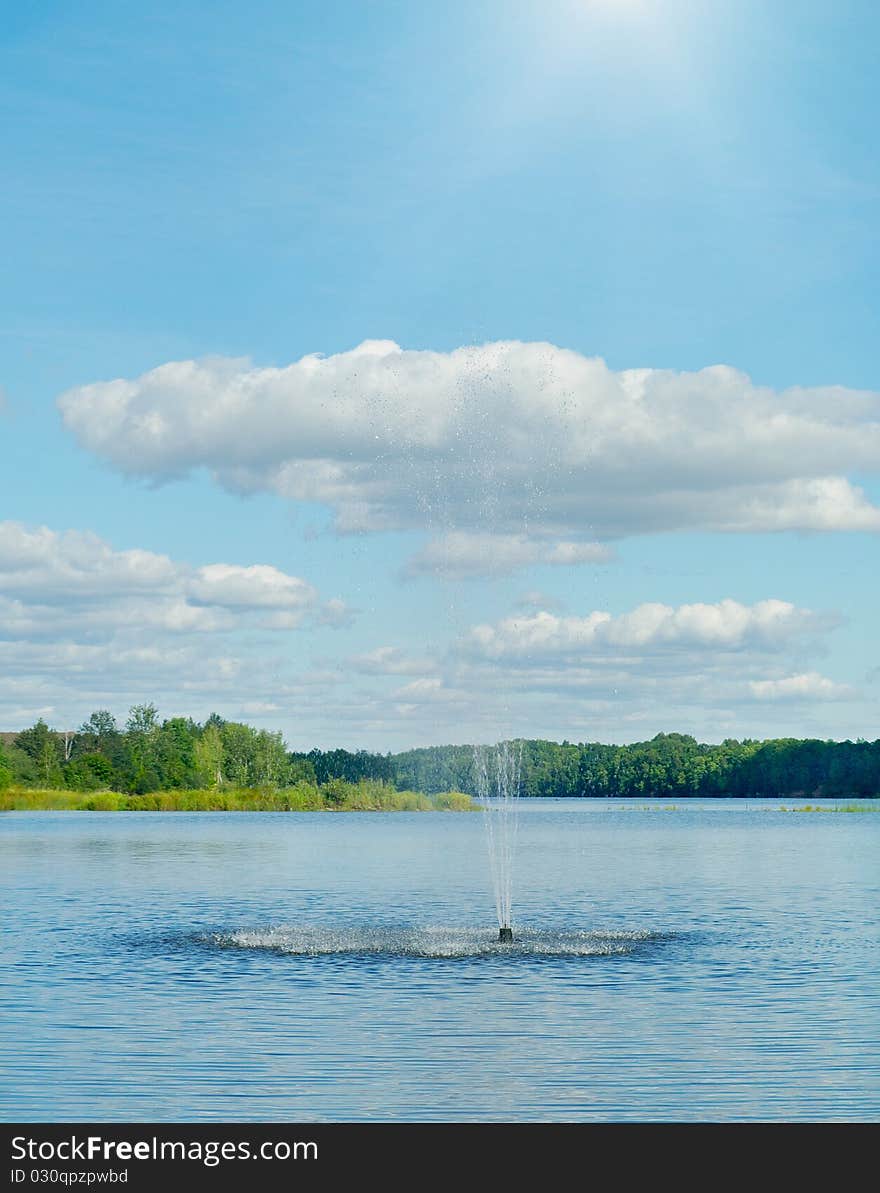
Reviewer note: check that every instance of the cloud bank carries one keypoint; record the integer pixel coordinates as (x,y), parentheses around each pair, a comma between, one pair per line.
(539,448)
(83,625)
(722,665)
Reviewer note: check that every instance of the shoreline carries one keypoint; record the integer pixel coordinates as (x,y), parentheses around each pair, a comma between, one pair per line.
(366,798)
(376,800)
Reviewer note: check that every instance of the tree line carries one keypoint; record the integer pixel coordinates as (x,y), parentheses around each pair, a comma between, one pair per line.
(670,765)
(148,755)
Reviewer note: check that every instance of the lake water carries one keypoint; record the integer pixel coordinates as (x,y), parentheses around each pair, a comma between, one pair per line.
(714,960)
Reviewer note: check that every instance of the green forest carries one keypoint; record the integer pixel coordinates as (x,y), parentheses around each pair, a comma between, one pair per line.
(670,765)
(179,765)
(147,755)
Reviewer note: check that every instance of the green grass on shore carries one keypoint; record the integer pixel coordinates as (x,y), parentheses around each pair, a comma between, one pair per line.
(838,808)
(361,797)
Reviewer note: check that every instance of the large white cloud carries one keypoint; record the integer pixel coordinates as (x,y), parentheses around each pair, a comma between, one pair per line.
(539,445)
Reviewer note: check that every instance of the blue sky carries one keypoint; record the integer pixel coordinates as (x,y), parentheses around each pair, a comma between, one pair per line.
(666,185)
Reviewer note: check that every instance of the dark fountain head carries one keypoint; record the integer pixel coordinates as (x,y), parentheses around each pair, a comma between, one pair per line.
(505,935)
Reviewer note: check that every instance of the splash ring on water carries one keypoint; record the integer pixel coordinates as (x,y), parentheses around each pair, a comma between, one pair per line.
(431,942)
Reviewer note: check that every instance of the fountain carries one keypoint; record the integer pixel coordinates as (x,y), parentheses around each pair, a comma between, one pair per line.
(497,781)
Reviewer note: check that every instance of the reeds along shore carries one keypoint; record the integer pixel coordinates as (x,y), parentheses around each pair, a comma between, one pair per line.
(336,796)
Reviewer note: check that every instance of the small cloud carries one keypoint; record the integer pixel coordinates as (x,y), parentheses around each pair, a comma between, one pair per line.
(336,614)
(259,586)
(389,660)
(461,555)
(808,686)
(428,690)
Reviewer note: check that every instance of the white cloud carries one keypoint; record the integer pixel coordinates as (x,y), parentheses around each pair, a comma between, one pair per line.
(44,563)
(114,661)
(51,581)
(808,686)
(716,670)
(83,625)
(650,628)
(256,587)
(701,668)
(546,449)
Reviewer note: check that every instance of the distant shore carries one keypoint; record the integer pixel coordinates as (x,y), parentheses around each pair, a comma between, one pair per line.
(366,797)
(150,756)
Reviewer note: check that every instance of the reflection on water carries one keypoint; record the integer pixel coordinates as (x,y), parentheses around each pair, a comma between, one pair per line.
(713,961)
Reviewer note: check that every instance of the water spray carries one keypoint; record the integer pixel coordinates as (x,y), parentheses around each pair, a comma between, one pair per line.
(497,772)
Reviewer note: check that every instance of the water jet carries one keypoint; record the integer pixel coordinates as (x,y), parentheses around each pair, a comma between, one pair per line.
(497,772)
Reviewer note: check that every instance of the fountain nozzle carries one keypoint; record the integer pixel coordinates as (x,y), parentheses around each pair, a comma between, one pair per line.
(505,935)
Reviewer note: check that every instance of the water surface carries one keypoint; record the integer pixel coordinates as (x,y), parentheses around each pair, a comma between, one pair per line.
(716,960)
